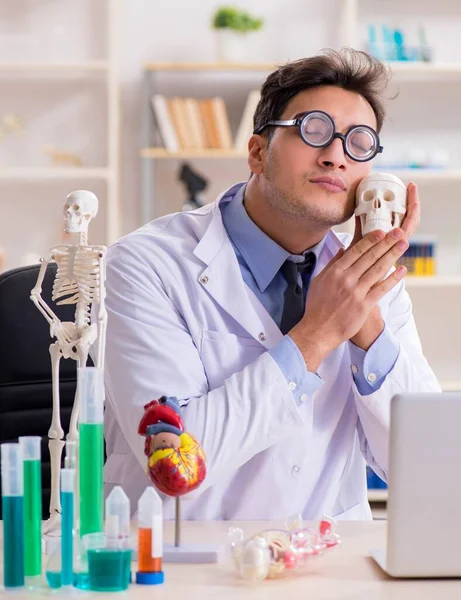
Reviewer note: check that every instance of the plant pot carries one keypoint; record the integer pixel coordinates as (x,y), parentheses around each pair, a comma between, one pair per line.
(232,46)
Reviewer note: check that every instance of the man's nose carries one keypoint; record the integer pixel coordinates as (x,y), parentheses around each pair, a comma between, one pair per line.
(333,155)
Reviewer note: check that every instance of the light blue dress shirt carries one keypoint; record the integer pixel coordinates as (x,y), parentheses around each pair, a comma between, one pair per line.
(260,259)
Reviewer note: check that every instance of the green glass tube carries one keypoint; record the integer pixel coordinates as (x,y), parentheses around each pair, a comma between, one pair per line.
(91,477)
(90,389)
(32,505)
(32,518)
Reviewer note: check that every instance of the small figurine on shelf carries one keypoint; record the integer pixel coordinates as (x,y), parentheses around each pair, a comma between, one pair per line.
(58,157)
(195,184)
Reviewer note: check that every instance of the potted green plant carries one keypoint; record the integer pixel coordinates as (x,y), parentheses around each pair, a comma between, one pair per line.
(232,26)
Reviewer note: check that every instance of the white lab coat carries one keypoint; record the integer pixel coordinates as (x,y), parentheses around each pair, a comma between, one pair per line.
(182,322)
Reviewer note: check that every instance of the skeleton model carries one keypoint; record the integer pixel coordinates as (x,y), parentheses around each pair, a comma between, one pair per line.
(381,202)
(80,280)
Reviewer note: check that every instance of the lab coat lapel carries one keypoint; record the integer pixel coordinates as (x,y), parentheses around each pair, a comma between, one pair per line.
(222,279)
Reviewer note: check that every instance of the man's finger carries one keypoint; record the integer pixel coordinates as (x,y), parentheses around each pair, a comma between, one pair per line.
(377,271)
(374,253)
(356,251)
(383,287)
(412,218)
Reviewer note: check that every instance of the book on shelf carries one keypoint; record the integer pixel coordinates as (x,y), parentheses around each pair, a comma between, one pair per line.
(209,123)
(180,123)
(245,128)
(197,130)
(197,124)
(164,123)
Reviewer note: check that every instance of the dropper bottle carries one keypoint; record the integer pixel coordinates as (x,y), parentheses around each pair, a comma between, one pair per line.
(150,538)
(117,525)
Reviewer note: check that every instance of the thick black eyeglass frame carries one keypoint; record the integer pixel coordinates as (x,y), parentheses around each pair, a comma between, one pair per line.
(343,137)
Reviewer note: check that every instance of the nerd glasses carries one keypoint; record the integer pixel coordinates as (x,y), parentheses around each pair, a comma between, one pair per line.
(317,129)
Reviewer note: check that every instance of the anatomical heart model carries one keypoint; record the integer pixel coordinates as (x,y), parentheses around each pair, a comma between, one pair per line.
(176,462)
(176,465)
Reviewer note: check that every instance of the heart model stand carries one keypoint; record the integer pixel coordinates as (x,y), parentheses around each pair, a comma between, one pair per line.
(176,466)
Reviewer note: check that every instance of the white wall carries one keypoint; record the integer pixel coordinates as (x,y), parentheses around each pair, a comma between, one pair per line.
(424,114)
(71,114)
(180,31)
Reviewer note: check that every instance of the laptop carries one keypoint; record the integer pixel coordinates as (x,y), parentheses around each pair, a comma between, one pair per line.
(424,502)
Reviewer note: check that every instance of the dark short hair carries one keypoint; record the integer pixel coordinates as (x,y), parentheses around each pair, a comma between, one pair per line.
(349,69)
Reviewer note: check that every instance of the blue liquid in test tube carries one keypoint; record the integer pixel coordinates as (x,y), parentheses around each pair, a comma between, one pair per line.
(13,515)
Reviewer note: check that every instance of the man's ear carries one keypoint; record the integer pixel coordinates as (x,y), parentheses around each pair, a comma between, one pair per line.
(257,149)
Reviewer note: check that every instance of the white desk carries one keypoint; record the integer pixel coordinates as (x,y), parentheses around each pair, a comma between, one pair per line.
(347,573)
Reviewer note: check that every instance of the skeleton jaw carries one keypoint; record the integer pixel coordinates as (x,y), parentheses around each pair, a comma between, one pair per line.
(76,225)
(372,222)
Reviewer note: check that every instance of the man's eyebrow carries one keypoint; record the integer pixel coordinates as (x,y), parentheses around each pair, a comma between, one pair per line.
(304,112)
(300,114)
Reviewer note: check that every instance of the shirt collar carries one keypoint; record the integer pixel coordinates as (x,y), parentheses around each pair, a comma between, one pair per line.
(263,255)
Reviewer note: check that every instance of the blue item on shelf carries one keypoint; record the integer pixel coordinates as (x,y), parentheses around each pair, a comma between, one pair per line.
(374,482)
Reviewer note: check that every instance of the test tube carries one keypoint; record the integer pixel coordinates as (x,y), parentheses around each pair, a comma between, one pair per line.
(67,525)
(117,527)
(13,515)
(31,453)
(90,389)
(70,462)
(150,538)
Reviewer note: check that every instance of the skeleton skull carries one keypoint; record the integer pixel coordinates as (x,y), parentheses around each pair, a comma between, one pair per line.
(381,202)
(80,207)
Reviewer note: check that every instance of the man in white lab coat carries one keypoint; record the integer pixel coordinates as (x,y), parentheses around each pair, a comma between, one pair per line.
(283,341)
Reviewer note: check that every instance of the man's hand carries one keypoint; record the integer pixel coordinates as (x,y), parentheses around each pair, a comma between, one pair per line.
(343,294)
(374,324)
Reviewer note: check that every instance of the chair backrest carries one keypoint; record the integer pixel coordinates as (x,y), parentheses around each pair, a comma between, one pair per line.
(25,364)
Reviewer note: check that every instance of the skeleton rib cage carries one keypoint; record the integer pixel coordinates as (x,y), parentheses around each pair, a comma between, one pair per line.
(77,278)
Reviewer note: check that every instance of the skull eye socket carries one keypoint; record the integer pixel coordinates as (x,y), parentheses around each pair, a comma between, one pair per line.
(389,196)
(369,195)
(76,207)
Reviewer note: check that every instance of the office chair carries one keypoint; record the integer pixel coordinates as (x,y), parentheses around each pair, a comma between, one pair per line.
(25,365)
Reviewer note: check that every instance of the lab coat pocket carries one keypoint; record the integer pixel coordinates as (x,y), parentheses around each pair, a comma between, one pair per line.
(224,354)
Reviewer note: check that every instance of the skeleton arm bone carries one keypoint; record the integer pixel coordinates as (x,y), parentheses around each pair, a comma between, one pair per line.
(35,295)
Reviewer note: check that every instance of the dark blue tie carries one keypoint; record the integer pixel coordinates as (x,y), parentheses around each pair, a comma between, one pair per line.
(293,302)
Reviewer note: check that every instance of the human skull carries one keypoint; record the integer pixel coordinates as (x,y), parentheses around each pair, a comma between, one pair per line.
(381,202)
(80,207)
